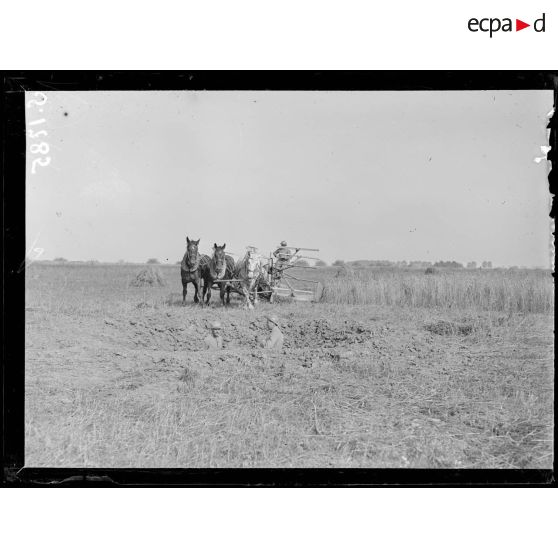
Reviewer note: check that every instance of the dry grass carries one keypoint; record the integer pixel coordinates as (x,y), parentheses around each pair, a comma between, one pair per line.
(115,378)
(503,291)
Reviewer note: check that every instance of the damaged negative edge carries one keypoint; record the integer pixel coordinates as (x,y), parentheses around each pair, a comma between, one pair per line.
(552,156)
(56,477)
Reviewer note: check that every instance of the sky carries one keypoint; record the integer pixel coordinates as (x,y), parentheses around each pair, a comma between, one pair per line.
(395,176)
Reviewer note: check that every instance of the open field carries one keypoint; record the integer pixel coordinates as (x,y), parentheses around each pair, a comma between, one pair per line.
(392,369)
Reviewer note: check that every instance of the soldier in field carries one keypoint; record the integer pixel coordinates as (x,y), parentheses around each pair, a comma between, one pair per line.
(275,340)
(214,341)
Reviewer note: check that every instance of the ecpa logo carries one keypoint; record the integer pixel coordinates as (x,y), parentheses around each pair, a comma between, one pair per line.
(492,25)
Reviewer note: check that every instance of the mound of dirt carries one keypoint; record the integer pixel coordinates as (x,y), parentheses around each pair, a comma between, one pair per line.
(164,336)
(443,327)
(322,333)
(148,277)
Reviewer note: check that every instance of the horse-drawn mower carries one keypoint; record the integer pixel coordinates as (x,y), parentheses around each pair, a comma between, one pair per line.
(280,282)
(275,278)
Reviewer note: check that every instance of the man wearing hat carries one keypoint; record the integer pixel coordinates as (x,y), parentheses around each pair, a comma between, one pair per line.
(282,252)
(275,340)
(282,255)
(214,342)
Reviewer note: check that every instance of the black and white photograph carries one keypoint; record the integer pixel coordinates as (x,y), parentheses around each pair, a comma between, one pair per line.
(236,279)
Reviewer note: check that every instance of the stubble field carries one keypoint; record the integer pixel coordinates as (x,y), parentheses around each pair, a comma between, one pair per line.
(392,369)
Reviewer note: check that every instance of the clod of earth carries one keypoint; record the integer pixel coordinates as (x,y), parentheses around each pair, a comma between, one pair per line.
(442,327)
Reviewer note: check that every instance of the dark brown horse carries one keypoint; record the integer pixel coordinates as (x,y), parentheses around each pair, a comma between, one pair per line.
(190,270)
(216,270)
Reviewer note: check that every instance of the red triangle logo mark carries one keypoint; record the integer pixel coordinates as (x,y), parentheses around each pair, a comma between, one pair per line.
(519,25)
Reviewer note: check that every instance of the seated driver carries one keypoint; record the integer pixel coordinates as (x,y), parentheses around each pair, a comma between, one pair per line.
(283,256)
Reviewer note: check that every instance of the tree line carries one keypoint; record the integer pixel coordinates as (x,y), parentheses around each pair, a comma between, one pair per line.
(416,264)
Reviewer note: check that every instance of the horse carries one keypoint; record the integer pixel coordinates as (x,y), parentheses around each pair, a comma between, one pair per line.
(190,271)
(217,268)
(249,270)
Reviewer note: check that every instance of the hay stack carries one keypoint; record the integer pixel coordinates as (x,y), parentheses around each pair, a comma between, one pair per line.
(148,277)
(345,271)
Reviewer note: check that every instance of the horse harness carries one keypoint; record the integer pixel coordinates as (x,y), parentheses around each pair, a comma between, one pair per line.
(187,265)
(213,271)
